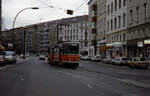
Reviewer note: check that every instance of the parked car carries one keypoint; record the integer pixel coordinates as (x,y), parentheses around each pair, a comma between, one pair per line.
(107,60)
(120,61)
(2,60)
(87,57)
(81,57)
(138,62)
(22,56)
(41,57)
(96,58)
(10,57)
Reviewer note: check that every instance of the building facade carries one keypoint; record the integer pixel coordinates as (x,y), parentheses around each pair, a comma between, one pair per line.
(74,29)
(101,27)
(92,28)
(116,27)
(138,36)
(14,39)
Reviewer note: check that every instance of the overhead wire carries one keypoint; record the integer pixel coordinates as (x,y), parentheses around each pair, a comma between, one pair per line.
(80,5)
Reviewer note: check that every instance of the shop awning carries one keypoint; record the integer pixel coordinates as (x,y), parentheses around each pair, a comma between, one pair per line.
(104,48)
(2,48)
(116,44)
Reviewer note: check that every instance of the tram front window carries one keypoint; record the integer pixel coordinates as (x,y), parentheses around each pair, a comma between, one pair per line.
(73,50)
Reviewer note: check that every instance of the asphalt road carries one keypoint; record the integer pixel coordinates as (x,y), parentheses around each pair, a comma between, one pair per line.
(37,78)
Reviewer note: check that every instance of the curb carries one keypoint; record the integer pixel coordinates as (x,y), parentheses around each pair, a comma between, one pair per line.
(7,66)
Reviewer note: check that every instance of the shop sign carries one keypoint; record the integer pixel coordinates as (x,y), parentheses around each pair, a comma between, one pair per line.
(140,44)
(147,42)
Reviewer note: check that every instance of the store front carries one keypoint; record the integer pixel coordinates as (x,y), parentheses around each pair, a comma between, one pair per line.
(147,48)
(138,48)
(116,50)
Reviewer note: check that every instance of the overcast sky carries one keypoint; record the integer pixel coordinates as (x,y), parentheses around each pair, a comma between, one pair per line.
(11,7)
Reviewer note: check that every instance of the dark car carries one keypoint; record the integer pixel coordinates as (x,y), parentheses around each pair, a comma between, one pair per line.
(10,57)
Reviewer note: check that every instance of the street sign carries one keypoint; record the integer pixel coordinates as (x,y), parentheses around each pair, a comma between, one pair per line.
(70,12)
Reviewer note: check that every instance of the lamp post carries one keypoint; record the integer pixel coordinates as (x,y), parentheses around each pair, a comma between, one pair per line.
(34,8)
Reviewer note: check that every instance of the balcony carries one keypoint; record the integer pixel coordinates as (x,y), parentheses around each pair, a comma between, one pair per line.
(94,19)
(94,7)
(93,42)
(94,31)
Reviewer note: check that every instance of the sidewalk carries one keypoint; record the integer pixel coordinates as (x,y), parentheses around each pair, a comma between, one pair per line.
(19,60)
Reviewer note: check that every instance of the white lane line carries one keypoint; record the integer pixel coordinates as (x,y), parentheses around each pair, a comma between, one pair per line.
(136,83)
(89,86)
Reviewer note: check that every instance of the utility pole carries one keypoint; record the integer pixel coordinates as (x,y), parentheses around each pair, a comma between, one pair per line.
(0,18)
(35,38)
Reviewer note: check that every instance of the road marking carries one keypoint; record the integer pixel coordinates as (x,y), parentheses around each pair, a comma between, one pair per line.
(136,83)
(89,86)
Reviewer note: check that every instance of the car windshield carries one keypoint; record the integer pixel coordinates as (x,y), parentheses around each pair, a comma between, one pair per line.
(9,53)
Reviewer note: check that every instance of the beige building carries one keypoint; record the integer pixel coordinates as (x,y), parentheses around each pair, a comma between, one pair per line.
(39,36)
(92,28)
(101,27)
(138,36)
(75,29)
(116,28)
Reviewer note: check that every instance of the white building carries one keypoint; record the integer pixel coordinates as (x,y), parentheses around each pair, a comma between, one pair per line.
(116,27)
(138,36)
(74,29)
(92,28)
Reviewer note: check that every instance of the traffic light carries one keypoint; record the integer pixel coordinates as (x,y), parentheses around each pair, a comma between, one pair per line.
(70,12)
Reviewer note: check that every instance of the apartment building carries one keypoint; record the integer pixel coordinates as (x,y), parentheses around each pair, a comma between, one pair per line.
(116,33)
(15,36)
(138,36)
(38,37)
(101,27)
(92,28)
(74,29)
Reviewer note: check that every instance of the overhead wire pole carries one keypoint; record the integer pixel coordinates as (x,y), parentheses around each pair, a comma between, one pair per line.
(13,41)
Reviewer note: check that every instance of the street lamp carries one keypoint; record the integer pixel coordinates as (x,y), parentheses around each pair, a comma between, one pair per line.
(34,8)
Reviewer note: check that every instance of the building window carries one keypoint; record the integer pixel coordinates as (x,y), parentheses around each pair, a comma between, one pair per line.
(137,13)
(108,26)
(115,5)
(119,4)
(131,16)
(111,24)
(124,2)
(145,11)
(119,22)
(115,21)
(124,20)
(112,7)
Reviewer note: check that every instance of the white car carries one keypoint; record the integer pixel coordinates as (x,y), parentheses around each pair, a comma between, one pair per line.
(81,57)
(96,58)
(120,61)
(86,57)
(41,57)
(107,60)
(10,57)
